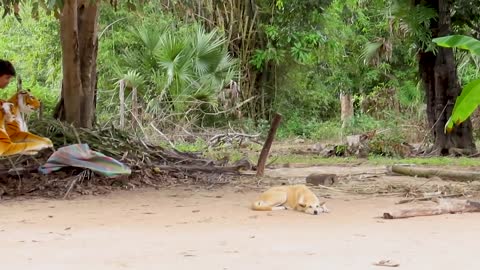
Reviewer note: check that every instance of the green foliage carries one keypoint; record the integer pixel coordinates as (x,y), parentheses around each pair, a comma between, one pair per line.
(310,129)
(459,41)
(363,123)
(337,65)
(468,66)
(331,130)
(387,144)
(378,160)
(185,70)
(465,105)
(469,99)
(293,32)
(24,43)
(181,66)
(410,95)
(199,145)
(307,52)
(414,21)
(304,89)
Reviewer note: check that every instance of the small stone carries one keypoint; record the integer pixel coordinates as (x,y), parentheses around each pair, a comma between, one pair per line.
(321,179)
(299,141)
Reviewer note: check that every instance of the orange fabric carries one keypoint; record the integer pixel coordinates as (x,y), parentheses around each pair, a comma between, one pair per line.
(14,128)
(7,147)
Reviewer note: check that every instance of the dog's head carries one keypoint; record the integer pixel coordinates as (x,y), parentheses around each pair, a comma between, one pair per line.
(313,208)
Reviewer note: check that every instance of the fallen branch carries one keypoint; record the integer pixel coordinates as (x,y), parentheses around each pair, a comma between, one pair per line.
(163,135)
(445,206)
(70,186)
(18,170)
(232,137)
(330,188)
(444,174)
(86,174)
(428,198)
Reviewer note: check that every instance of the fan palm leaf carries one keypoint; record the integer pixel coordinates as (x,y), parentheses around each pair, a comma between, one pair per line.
(208,51)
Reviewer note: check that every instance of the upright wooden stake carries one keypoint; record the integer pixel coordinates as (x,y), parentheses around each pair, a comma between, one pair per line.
(122,103)
(134,108)
(40,112)
(19,83)
(268,143)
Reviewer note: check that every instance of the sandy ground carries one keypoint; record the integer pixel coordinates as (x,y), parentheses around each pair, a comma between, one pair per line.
(182,228)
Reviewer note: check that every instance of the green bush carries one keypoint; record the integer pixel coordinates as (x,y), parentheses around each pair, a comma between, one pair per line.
(361,123)
(177,68)
(24,44)
(388,144)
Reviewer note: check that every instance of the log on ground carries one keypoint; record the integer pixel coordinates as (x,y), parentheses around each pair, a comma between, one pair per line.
(444,174)
(444,206)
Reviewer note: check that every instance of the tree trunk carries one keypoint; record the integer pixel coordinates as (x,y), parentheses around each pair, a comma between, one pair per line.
(439,75)
(346,104)
(78,31)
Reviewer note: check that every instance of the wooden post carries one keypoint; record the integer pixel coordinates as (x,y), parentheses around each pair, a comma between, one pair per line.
(121,95)
(134,108)
(19,83)
(346,103)
(268,143)
(40,112)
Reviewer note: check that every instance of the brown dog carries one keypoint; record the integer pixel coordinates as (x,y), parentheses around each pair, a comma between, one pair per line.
(295,197)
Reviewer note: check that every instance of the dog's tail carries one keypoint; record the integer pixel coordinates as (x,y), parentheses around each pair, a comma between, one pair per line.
(261,206)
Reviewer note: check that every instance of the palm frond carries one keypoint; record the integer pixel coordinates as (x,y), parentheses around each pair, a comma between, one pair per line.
(133,79)
(149,37)
(415,21)
(208,51)
(171,55)
(370,52)
(178,71)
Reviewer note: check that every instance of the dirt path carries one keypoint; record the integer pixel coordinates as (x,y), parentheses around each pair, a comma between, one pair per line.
(197,229)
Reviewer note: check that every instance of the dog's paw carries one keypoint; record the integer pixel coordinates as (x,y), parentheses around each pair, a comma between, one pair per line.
(324,208)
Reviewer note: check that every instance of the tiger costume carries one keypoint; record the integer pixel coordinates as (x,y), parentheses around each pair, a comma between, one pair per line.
(23,103)
(9,148)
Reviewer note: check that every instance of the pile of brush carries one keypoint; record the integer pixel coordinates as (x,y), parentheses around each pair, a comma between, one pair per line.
(119,144)
(151,164)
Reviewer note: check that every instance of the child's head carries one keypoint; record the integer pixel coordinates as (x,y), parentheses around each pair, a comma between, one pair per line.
(7,72)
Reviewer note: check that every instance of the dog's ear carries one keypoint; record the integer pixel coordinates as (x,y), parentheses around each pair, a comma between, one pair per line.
(300,202)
